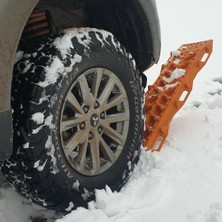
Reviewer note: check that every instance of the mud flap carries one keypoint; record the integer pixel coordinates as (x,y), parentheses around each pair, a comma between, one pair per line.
(5,135)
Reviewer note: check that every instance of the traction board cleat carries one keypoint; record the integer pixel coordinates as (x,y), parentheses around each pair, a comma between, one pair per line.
(170,91)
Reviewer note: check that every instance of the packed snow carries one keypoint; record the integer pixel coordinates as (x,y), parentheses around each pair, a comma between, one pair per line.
(38,118)
(182,182)
(176,74)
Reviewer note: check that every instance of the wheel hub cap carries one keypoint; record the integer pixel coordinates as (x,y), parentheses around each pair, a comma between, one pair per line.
(94,120)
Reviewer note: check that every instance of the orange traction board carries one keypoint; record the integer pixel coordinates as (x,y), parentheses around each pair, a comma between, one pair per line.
(171,90)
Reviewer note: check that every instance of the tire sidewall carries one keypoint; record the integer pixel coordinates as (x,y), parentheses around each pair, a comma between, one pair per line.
(38,168)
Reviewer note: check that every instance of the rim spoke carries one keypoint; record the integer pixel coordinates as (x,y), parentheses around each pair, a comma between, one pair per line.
(78,138)
(113,134)
(96,82)
(86,94)
(107,151)
(73,102)
(117,99)
(70,123)
(119,117)
(94,152)
(81,158)
(107,91)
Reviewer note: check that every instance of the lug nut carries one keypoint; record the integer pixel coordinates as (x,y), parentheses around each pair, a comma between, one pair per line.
(86,109)
(99,129)
(82,126)
(102,115)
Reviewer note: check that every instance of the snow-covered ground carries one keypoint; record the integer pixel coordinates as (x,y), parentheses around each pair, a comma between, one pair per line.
(183,182)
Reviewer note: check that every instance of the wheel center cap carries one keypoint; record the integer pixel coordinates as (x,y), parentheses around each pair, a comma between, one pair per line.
(94,120)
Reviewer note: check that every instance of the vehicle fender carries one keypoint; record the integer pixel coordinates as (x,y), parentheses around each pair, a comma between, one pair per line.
(13,17)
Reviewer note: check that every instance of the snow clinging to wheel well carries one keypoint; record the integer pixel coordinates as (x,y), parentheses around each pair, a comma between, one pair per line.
(82,35)
(52,72)
(64,45)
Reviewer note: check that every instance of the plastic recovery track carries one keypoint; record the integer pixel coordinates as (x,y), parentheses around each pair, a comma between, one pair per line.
(171,90)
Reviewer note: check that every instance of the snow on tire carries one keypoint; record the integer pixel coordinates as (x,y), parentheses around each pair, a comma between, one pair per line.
(77,119)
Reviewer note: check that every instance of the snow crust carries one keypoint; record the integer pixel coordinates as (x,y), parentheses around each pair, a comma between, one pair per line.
(176,74)
(175,53)
(38,118)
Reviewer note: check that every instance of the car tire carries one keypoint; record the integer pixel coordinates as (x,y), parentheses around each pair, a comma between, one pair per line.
(77,102)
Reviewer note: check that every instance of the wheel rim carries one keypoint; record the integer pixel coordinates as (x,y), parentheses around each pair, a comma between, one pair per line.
(94,121)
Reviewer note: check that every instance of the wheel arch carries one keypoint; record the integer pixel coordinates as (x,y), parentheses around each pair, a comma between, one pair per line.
(134,22)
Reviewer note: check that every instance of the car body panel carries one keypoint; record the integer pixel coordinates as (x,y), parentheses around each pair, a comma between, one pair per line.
(13,16)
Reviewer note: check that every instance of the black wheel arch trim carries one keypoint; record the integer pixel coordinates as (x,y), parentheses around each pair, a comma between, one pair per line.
(151,15)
